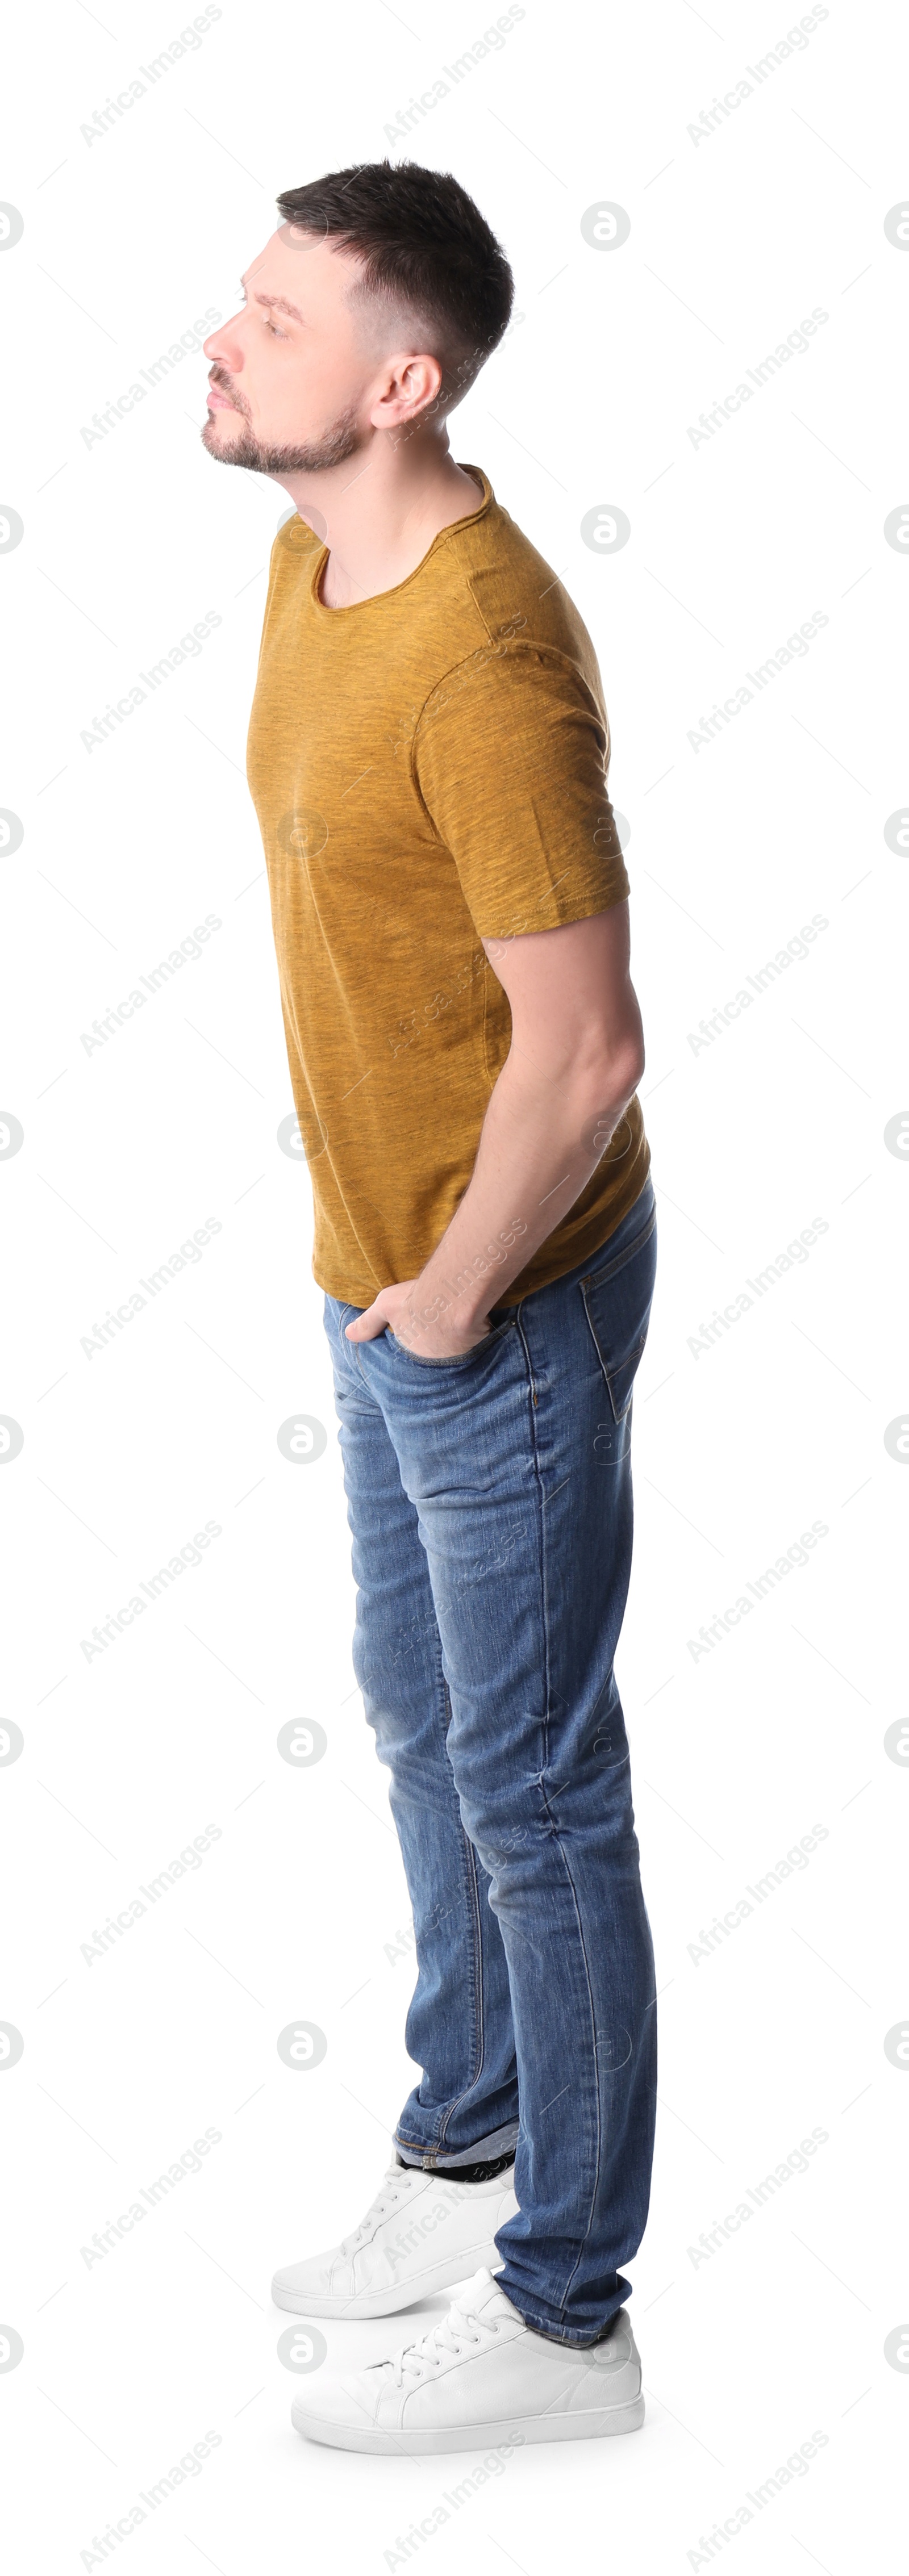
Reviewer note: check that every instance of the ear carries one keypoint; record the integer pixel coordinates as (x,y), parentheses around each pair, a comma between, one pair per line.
(413,388)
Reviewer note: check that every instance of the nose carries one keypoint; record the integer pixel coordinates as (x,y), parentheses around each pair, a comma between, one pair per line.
(223,345)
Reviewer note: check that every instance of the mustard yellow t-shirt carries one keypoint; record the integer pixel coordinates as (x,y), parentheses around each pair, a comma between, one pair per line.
(429,768)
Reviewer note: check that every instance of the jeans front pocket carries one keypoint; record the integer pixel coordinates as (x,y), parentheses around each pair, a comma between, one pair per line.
(457,1359)
(617,1302)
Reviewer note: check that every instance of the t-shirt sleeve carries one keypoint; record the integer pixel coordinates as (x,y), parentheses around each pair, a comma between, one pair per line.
(511,761)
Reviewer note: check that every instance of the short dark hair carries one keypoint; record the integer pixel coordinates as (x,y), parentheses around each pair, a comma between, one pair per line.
(423,244)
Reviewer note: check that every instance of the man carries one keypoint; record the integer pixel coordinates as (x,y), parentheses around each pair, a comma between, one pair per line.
(428,755)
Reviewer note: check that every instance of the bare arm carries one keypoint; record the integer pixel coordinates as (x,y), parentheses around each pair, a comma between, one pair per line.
(576,1058)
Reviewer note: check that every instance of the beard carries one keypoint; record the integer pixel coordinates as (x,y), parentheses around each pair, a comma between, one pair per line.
(333,448)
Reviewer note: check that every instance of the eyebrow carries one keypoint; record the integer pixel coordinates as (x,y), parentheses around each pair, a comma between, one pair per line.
(279,303)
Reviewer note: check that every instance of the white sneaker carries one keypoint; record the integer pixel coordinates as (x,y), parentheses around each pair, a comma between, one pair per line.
(481,2376)
(424,2231)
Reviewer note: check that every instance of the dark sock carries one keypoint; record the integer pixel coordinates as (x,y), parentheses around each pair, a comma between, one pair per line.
(471,2173)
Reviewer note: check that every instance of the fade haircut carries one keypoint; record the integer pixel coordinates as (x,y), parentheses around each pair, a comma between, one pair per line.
(428,257)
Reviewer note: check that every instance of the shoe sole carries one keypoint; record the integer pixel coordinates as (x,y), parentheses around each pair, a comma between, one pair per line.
(469,2437)
(390,2302)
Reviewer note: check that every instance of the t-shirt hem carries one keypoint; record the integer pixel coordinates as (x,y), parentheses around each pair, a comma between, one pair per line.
(589,1240)
(539,1273)
(557,912)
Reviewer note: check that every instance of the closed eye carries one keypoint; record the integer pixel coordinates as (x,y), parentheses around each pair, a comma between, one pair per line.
(270,326)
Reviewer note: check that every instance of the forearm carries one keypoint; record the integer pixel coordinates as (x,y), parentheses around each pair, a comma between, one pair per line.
(542,1138)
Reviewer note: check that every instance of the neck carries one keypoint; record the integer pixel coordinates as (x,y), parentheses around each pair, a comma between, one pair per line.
(379,511)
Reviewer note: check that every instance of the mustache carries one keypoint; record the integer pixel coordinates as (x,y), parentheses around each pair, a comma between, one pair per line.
(219,385)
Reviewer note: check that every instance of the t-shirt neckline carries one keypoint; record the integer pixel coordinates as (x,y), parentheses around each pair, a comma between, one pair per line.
(377,597)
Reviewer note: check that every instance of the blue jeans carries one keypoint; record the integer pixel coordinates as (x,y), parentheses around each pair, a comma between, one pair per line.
(490,1503)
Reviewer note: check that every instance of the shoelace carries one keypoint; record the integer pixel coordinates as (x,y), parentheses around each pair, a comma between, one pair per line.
(449,2336)
(384,2200)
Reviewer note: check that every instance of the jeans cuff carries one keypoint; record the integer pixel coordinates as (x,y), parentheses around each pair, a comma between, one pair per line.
(441,2159)
(560,2334)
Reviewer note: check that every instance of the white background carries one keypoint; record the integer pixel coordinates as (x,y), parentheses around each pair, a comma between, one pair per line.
(300,1909)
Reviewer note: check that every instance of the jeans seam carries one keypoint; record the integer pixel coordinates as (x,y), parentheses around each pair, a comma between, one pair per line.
(351,1349)
(554,1829)
(468,1862)
(531,1383)
(596,2055)
(472,1900)
(595,1278)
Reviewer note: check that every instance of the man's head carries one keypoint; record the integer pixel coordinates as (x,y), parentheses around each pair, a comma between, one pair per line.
(369,312)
